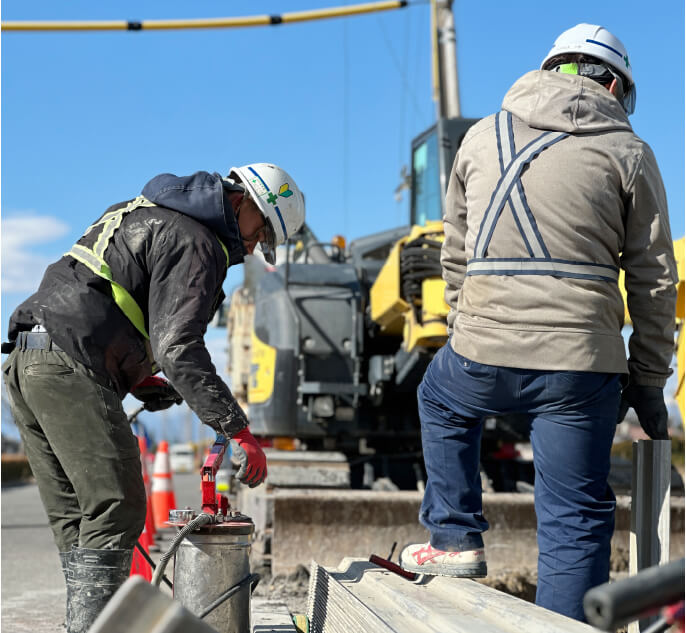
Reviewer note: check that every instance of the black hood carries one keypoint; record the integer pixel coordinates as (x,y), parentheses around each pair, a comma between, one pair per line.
(202,197)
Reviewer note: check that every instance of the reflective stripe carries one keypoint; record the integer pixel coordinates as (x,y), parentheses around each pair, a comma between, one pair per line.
(140,201)
(510,190)
(520,210)
(94,260)
(161,483)
(121,295)
(504,187)
(278,212)
(226,251)
(555,267)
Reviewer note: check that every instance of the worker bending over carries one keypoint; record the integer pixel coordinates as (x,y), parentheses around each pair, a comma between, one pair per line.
(547,200)
(135,294)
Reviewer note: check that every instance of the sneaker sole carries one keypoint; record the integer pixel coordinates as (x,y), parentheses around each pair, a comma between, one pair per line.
(478,570)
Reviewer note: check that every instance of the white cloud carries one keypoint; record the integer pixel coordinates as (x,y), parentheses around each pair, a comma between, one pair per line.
(22,267)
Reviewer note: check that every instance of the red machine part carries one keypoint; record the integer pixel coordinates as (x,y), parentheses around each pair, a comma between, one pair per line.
(211,501)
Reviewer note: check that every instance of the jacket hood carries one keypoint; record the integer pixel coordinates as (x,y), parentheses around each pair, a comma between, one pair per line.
(200,196)
(567,103)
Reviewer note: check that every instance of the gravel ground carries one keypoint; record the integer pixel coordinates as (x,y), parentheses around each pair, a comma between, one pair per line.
(291,590)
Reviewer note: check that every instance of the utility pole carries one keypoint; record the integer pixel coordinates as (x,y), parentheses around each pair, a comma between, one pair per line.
(446,87)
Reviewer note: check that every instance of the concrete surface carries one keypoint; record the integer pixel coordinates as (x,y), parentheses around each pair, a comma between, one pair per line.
(32,591)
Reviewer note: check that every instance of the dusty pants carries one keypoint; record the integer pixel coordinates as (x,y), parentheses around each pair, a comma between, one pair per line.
(80,447)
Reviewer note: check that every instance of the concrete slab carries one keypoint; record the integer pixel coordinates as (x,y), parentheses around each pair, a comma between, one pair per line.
(328,525)
(314,469)
(269,616)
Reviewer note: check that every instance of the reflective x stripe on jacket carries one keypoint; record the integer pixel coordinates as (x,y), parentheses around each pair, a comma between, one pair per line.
(93,258)
(510,191)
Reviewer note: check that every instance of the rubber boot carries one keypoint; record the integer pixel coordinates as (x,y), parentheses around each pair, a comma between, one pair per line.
(94,577)
(65,557)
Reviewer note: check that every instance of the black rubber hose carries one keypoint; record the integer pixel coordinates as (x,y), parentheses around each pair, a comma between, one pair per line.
(611,605)
(419,260)
(251,578)
(199,521)
(150,562)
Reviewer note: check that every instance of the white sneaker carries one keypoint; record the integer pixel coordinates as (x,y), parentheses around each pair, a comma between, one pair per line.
(422,558)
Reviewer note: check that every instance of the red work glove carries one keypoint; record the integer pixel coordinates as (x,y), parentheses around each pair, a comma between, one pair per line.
(253,461)
(156,394)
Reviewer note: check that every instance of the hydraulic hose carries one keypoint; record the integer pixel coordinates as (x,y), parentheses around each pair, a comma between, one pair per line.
(419,260)
(199,521)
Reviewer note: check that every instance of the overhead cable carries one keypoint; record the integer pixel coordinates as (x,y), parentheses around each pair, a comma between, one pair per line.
(203,23)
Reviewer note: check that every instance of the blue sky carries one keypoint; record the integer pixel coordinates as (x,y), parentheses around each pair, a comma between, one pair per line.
(88,118)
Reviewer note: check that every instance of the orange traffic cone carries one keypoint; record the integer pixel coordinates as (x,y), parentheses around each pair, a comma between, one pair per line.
(162,495)
(140,566)
(149,522)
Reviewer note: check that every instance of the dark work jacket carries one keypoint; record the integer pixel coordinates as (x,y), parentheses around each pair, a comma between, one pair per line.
(169,259)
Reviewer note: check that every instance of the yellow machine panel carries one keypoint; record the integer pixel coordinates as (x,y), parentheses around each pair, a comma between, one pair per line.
(387,305)
(262,369)
(433,297)
(421,323)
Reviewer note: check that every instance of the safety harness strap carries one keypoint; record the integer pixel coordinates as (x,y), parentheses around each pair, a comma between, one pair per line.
(121,295)
(94,259)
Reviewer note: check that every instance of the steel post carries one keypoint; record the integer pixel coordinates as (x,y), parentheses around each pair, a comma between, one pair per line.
(650,509)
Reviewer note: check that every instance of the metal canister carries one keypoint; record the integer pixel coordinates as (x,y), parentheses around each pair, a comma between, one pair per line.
(208,562)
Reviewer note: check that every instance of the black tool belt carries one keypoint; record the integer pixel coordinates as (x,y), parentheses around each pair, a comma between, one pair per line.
(33,340)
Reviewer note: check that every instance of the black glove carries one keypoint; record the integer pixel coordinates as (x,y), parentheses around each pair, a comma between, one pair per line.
(156,394)
(649,404)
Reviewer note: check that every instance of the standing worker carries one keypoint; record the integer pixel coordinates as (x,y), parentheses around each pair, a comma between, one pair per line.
(135,294)
(547,200)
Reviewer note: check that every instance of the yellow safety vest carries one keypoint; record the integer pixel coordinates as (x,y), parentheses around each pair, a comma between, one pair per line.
(94,259)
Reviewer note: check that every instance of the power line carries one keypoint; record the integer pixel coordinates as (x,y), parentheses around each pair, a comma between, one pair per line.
(203,23)
(403,75)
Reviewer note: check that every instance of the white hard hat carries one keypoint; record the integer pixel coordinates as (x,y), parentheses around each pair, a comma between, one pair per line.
(591,39)
(279,199)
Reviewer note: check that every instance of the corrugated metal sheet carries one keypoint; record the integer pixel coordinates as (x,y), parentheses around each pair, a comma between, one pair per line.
(359,597)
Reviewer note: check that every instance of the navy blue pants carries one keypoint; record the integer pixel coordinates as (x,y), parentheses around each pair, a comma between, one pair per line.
(573,416)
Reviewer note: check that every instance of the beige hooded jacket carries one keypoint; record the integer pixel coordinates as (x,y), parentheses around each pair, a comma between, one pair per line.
(598,204)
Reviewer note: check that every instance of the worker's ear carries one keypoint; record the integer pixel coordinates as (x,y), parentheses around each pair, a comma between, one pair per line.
(613,87)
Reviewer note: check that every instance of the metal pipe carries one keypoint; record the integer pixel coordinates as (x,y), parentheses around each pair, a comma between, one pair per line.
(449,101)
(203,23)
(650,510)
